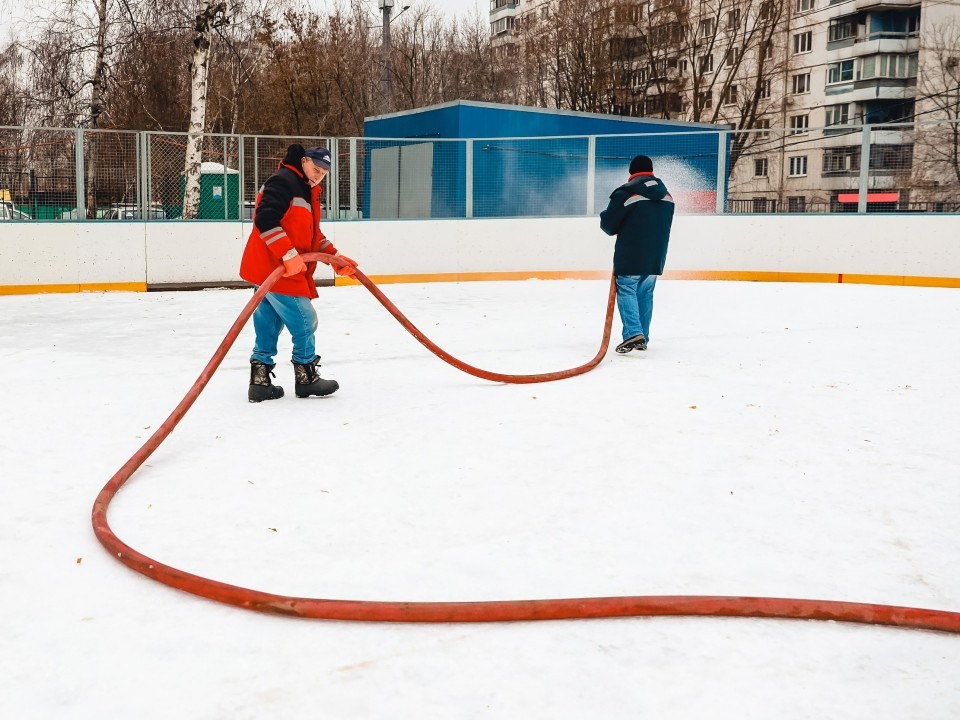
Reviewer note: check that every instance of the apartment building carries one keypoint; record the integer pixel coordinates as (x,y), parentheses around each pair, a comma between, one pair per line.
(797,79)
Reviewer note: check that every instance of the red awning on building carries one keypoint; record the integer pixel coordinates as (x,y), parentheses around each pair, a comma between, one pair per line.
(888,197)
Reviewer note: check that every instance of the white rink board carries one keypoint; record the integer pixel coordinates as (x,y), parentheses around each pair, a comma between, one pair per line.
(38,254)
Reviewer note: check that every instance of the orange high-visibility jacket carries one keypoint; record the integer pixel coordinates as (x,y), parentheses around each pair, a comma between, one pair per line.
(286,217)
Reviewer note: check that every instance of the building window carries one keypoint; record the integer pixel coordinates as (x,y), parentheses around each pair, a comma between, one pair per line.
(803,42)
(766,50)
(766,89)
(667,34)
(891,157)
(760,167)
(840,72)
(706,99)
(889,66)
(842,29)
(730,96)
(841,160)
(706,64)
(630,14)
(798,166)
(796,204)
(764,127)
(801,83)
(837,115)
(733,19)
(804,5)
(799,124)
(706,27)
(730,59)
(503,25)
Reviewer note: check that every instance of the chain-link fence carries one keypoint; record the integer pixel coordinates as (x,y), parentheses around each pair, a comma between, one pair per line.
(69,174)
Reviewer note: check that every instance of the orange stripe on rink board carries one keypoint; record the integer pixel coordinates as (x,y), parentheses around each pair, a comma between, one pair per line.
(734,275)
(758,276)
(909,280)
(72,288)
(480,276)
(751,276)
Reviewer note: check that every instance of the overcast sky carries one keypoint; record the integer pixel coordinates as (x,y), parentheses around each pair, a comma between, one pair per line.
(14,10)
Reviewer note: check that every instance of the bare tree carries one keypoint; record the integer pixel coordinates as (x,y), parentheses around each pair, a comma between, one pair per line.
(69,51)
(936,163)
(566,55)
(475,69)
(13,108)
(421,56)
(211,14)
(154,77)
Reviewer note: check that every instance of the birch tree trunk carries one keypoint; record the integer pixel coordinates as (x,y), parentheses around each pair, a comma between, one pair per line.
(96,108)
(210,14)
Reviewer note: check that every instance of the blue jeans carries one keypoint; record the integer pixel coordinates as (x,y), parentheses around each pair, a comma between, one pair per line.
(635,303)
(297,314)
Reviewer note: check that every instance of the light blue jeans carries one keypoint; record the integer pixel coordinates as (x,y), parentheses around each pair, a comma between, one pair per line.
(296,314)
(635,303)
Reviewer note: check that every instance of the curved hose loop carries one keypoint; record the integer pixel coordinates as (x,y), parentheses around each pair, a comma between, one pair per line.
(486,374)
(463,612)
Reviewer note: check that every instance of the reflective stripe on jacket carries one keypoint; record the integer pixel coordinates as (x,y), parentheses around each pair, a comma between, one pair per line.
(286,218)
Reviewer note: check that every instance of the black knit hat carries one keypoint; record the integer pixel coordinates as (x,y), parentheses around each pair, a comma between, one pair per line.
(294,155)
(641,163)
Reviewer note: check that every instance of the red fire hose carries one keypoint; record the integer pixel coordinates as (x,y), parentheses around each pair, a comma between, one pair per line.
(498,611)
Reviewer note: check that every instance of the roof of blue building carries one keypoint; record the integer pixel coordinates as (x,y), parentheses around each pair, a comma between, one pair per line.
(472,119)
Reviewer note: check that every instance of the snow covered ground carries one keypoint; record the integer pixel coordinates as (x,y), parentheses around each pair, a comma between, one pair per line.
(777,440)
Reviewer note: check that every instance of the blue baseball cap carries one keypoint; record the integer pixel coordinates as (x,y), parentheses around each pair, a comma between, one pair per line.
(320,156)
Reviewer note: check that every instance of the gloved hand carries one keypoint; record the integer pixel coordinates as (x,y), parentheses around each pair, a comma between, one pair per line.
(294,264)
(348,269)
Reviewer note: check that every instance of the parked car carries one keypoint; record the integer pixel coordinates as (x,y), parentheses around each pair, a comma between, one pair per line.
(9,212)
(124,211)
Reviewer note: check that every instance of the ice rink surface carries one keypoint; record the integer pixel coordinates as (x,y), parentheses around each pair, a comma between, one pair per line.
(780,440)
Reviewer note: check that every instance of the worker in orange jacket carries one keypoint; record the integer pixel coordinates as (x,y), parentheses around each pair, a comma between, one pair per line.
(286,223)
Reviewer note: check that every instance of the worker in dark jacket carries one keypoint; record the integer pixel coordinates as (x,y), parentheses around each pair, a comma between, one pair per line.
(286,223)
(640,214)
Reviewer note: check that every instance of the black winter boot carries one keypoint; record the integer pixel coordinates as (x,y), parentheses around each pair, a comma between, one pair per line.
(309,381)
(260,385)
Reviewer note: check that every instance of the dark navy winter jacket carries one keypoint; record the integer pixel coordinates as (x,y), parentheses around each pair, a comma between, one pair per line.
(640,214)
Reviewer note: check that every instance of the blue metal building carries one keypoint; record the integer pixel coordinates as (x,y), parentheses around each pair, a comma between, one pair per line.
(476,159)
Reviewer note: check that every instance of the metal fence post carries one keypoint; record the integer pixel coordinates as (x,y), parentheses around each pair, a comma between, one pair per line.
(864,169)
(722,139)
(256,167)
(226,185)
(353,180)
(78,172)
(144,182)
(591,174)
(468,184)
(333,183)
(241,167)
(148,174)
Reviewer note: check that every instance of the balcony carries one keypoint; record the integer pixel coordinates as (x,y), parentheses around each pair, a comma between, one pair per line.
(892,43)
(885,4)
(873,89)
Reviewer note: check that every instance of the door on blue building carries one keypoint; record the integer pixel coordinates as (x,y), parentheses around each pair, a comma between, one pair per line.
(401,181)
